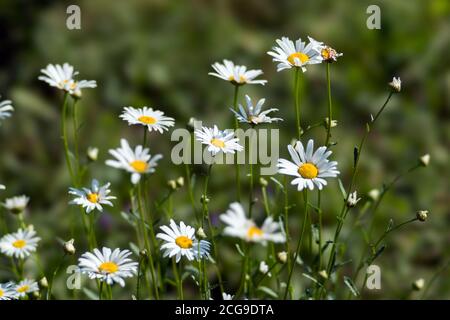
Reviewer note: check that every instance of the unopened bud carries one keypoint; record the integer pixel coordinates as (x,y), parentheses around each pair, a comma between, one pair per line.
(92,154)
(374,194)
(334,123)
(172,184)
(352,200)
(204,199)
(143,253)
(323,274)
(425,160)
(418,284)
(201,233)
(180,182)
(282,256)
(43,283)
(263,182)
(422,215)
(69,248)
(396,84)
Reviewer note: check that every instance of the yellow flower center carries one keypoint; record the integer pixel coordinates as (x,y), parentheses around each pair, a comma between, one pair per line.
(183,242)
(218,143)
(325,53)
(254,231)
(308,171)
(73,85)
(242,79)
(92,197)
(298,55)
(19,244)
(108,267)
(23,289)
(147,119)
(1,293)
(139,165)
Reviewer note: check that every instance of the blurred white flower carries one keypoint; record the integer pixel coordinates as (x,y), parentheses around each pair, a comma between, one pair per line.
(236,74)
(5,109)
(16,204)
(19,244)
(180,241)
(108,266)
(425,160)
(264,268)
(253,114)
(7,291)
(300,54)
(2,187)
(137,161)
(92,153)
(310,168)
(239,226)
(218,140)
(154,120)
(25,287)
(93,198)
(352,199)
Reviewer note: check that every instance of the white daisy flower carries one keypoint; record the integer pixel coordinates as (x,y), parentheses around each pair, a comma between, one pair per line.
(25,287)
(58,76)
(218,140)
(180,241)
(74,87)
(396,84)
(7,291)
(5,109)
(252,114)
(137,161)
(62,77)
(92,198)
(329,54)
(300,54)
(226,296)
(152,119)
(239,226)
(16,204)
(108,266)
(19,244)
(237,75)
(310,168)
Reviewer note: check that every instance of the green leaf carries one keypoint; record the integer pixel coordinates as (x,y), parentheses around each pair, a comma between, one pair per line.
(390,225)
(239,250)
(90,294)
(341,187)
(268,291)
(349,283)
(134,248)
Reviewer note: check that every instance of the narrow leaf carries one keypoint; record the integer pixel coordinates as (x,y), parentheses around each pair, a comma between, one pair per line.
(349,283)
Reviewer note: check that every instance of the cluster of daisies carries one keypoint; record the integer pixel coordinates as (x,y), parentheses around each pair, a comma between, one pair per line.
(310,169)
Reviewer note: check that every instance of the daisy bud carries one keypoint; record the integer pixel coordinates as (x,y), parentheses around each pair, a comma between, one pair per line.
(374,194)
(263,182)
(92,154)
(329,54)
(172,184)
(180,182)
(282,256)
(418,284)
(43,283)
(201,233)
(204,199)
(352,200)
(69,248)
(396,84)
(323,274)
(264,268)
(36,295)
(422,215)
(425,160)
(326,121)
(143,253)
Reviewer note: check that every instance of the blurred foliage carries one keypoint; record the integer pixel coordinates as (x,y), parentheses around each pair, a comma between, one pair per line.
(158,53)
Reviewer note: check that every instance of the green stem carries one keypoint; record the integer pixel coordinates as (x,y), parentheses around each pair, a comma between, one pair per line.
(297,102)
(52,279)
(300,241)
(250,153)
(330,110)
(75,141)
(100,291)
(236,127)
(64,134)
(382,108)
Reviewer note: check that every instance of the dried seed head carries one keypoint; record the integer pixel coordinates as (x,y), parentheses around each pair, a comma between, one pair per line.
(396,84)
(352,200)
(69,248)
(425,160)
(422,215)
